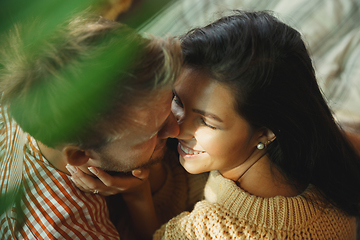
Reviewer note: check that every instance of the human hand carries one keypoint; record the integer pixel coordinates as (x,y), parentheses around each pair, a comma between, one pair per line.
(107,185)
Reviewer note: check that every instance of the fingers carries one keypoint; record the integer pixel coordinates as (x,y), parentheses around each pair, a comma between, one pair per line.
(142,173)
(79,184)
(103,176)
(125,183)
(105,183)
(119,181)
(85,182)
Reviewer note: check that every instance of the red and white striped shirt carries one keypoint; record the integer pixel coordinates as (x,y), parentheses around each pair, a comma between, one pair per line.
(53,207)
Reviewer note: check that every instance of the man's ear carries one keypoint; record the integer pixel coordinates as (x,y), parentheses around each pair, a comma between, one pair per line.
(75,155)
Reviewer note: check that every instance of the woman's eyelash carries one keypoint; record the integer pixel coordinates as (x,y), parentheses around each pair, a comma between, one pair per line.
(180,104)
(177,101)
(203,122)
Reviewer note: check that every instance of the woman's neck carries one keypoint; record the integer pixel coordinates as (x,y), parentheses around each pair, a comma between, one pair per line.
(265,180)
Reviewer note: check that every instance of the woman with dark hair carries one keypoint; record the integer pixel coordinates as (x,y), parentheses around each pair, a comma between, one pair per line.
(250,112)
(293,174)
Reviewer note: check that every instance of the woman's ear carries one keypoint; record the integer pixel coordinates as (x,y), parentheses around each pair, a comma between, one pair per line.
(75,155)
(267,136)
(270,135)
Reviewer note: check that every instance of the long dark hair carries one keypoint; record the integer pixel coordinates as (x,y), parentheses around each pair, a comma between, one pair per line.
(266,65)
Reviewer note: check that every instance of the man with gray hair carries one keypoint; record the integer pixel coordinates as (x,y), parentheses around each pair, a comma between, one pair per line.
(97,94)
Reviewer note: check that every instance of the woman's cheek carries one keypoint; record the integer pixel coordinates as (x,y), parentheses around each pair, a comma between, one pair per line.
(209,141)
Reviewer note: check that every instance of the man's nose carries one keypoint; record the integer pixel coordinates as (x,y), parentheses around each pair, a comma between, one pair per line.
(170,128)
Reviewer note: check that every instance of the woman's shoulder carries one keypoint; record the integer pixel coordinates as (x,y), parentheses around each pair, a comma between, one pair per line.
(242,213)
(215,219)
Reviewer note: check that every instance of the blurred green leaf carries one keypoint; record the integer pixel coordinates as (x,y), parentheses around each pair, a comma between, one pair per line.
(7,200)
(50,14)
(91,91)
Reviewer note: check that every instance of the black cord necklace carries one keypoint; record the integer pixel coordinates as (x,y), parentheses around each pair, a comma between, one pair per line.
(250,167)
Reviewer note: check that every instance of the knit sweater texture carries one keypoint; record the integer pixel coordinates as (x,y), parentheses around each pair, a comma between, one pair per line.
(228,212)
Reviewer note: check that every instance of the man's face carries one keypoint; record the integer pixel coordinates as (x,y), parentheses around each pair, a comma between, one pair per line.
(142,140)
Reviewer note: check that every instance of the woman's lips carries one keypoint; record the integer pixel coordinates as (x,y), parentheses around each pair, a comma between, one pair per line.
(184,150)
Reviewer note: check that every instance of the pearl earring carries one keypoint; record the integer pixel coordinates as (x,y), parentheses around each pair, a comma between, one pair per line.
(260,146)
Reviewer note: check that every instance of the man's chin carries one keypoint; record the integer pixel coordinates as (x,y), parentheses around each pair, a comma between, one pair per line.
(129,172)
(156,158)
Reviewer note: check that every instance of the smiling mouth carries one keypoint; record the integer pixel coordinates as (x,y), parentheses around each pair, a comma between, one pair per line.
(189,151)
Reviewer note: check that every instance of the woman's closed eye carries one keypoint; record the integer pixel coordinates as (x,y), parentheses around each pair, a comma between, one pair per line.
(202,120)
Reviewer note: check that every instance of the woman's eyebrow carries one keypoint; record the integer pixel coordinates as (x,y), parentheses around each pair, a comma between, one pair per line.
(207,114)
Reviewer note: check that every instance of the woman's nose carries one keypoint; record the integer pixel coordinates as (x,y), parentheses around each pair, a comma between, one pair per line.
(187,129)
(186,125)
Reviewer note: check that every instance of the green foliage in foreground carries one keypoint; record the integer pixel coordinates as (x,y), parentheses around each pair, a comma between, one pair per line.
(50,14)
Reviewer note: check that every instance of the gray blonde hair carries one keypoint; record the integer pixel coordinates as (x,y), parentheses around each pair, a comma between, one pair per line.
(76,87)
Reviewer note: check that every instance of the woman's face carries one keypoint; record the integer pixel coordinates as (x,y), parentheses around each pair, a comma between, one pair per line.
(212,134)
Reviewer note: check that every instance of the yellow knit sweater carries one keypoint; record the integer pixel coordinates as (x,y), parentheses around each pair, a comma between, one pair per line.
(228,212)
